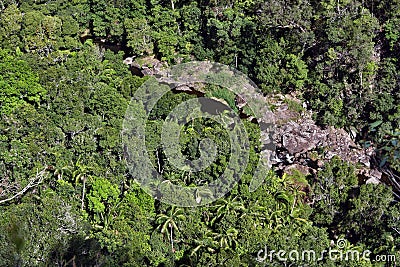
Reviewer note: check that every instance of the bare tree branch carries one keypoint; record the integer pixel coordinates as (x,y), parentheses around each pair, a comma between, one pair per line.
(33,182)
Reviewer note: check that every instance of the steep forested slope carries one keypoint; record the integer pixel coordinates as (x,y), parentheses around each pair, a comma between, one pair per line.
(66,195)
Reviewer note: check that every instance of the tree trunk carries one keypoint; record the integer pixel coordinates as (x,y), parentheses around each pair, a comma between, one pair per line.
(83,194)
(172,240)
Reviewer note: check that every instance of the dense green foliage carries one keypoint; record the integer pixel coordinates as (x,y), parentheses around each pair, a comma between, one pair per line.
(64,90)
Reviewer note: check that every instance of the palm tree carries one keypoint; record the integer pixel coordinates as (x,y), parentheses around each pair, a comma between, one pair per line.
(227,239)
(170,220)
(77,172)
(257,212)
(282,198)
(81,172)
(60,171)
(276,220)
(229,206)
(207,242)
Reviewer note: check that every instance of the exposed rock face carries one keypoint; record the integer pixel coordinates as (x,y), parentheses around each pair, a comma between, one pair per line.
(146,66)
(301,136)
(302,143)
(128,61)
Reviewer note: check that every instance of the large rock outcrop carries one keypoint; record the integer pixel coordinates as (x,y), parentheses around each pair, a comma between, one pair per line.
(303,145)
